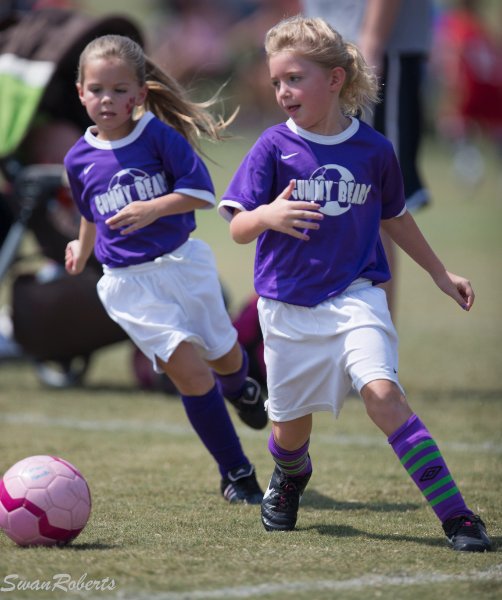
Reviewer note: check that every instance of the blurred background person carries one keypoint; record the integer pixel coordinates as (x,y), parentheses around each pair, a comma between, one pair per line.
(466,61)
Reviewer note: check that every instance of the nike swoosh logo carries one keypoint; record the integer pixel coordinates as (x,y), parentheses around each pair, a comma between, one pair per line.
(267,493)
(286,156)
(88,168)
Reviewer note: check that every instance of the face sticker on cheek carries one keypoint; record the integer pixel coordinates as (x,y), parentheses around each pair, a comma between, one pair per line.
(130,105)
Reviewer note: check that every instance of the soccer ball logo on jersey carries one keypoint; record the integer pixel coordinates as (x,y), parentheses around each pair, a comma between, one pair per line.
(334,187)
(129,185)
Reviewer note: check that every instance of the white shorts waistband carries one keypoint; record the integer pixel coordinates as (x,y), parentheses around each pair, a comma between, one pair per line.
(359,284)
(174,256)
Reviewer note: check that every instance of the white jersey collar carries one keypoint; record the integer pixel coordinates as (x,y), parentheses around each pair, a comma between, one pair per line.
(90,135)
(325,139)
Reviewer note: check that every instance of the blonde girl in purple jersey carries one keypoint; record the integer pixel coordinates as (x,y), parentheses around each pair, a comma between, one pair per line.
(137,182)
(313,193)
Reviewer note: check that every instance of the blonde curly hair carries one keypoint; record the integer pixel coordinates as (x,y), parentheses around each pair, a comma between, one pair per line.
(317,41)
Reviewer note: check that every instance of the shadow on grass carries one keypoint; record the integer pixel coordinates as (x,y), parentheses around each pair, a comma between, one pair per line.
(496,543)
(314,499)
(346,531)
(85,546)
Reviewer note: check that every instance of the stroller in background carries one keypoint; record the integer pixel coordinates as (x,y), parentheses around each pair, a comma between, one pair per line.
(57,321)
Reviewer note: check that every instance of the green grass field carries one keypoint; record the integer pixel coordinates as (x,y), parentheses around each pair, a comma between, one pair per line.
(159,527)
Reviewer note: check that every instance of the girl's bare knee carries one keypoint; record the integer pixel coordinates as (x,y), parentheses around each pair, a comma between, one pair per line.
(189,373)
(291,435)
(386,405)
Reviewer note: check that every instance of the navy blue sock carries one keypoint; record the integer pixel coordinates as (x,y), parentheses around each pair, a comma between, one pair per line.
(209,417)
(231,386)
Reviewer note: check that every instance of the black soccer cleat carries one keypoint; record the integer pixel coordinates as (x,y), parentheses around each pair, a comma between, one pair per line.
(467,534)
(250,406)
(279,508)
(241,487)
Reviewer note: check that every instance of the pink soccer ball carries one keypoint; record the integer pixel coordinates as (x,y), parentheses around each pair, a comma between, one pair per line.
(44,500)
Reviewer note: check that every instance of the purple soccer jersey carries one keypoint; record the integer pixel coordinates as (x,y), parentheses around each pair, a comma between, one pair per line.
(355,177)
(153,160)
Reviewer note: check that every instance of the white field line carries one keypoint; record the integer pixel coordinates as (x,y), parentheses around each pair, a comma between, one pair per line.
(136,426)
(366,582)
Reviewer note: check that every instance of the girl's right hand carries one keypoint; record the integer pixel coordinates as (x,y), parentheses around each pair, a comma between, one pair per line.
(292,217)
(73,261)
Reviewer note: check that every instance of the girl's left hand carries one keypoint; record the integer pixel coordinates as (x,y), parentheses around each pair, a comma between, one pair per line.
(134,216)
(73,260)
(459,288)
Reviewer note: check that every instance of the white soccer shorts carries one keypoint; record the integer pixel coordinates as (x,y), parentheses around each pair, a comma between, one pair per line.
(314,356)
(174,298)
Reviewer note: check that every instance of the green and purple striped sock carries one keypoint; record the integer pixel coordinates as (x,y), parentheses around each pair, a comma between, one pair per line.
(421,457)
(293,463)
